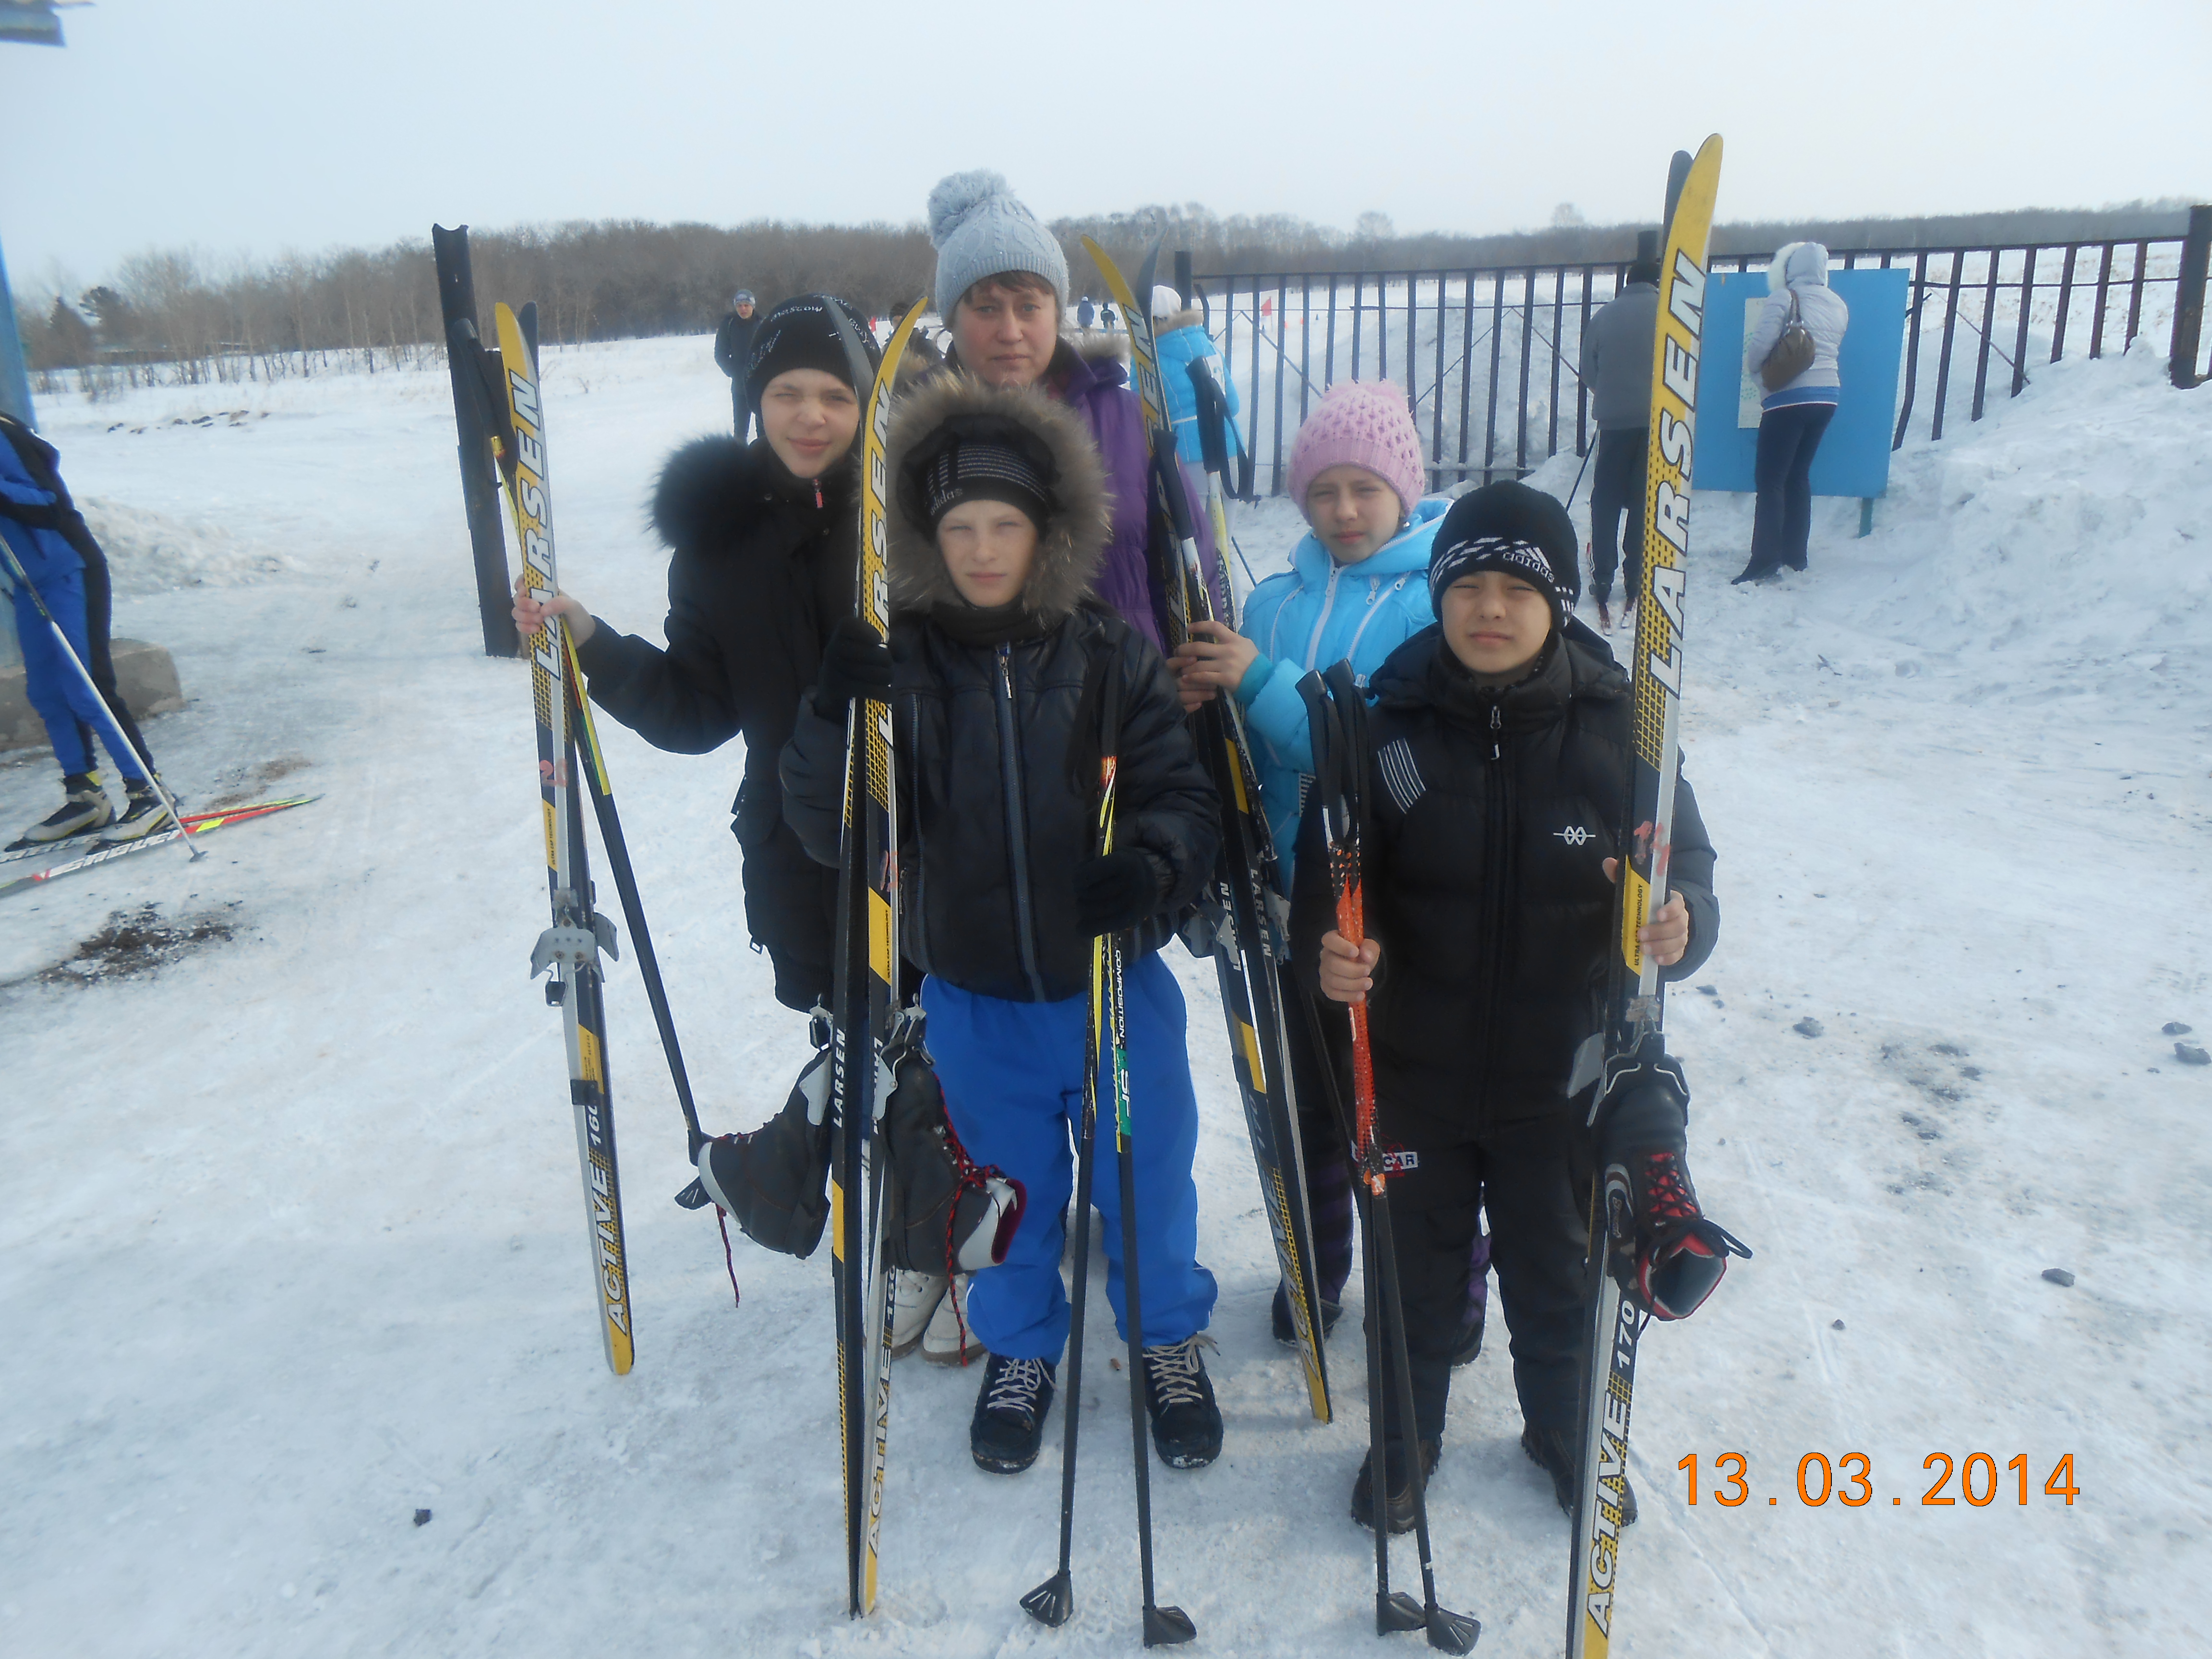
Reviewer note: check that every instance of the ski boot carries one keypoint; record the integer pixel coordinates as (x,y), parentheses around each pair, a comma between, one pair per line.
(84,807)
(143,812)
(1179,1397)
(1008,1427)
(949,1339)
(1553,1452)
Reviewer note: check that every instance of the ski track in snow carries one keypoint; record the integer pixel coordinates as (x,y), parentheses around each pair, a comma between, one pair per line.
(295,1249)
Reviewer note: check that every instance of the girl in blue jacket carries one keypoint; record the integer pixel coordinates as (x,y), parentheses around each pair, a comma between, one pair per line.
(1356,589)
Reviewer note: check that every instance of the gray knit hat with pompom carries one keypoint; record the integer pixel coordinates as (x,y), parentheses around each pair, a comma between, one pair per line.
(980,228)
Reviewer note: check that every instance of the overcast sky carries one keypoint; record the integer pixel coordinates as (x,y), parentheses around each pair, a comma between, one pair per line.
(254,126)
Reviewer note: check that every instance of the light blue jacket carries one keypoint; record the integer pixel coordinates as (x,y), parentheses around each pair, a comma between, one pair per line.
(1179,348)
(1316,613)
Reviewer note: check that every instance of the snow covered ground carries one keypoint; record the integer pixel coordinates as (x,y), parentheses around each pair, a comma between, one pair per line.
(295,1247)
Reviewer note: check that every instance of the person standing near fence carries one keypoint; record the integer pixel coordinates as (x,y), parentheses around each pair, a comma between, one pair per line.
(1616,368)
(733,351)
(50,542)
(1794,415)
(1356,589)
(1002,288)
(1179,333)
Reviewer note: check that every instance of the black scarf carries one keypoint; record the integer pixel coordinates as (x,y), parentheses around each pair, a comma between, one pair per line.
(988,627)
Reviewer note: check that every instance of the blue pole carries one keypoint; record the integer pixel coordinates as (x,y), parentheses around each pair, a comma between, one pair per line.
(15,383)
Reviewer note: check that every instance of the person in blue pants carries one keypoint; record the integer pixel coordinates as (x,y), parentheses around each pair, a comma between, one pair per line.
(59,559)
(997,671)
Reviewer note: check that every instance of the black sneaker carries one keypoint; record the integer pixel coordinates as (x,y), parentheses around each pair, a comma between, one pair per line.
(143,814)
(1008,1426)
(84,807)
(1400,1508)
(1552,1451)
(1279,1316)
(1470,1341)
(1186,1422)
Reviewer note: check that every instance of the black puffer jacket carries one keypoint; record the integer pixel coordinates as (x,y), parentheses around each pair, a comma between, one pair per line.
(763,568)
(997,745)
(1492,813)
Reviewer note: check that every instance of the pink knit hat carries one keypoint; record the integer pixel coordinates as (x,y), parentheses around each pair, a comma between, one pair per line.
(1364,422)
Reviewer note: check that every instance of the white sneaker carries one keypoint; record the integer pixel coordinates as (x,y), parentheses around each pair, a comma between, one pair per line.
(914,1299)
(950,1340)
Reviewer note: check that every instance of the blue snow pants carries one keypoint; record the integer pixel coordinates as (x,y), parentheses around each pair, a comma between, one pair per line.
(1012,1073)
(72,711)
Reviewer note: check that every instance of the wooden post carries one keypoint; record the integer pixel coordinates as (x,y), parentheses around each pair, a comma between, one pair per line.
(457,298)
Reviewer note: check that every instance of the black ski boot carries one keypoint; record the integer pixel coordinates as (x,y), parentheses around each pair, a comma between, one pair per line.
(1279,1316)
(1008,1426)
(142,813)
(1179,1395)
(1553,1452)
(85,807)
(1399,1509)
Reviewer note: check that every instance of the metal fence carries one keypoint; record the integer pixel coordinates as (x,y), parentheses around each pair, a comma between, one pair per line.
(1489,358)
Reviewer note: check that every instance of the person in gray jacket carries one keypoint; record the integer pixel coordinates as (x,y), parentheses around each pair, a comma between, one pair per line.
(1795,415)
(1617,369)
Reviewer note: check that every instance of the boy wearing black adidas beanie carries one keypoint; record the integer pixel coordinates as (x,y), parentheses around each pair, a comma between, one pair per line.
(1497,785)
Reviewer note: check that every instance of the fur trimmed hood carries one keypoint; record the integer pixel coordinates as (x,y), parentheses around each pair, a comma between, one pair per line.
(1074,534)
(712,489)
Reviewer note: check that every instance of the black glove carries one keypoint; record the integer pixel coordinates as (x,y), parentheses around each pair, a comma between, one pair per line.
(856,664)
(1115,893)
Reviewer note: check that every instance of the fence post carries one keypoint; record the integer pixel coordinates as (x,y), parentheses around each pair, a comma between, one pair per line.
(457,298)
(2189,298)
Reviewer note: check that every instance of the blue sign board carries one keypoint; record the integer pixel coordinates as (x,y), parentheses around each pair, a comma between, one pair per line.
(1853,453)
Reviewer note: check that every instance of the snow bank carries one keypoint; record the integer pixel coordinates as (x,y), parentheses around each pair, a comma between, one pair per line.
(296,1249)
(150,552)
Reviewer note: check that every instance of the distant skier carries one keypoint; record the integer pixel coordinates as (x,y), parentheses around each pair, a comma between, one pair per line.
(64,563)
(1616,368)
(1180,333)
(1497,785)
(1793,416)
(1086,314)
(763,570)
(994,669)
(733,350)
(1106,319)
(1356,589)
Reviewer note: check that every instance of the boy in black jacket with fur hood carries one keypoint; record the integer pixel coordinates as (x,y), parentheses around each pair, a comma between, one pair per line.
(1497,781)
(994,669)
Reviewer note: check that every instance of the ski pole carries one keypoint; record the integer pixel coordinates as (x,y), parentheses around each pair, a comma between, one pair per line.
(1336,713)
(1213,441)
(114,726)
(1579,470)
(1164,1626)
(1053,1602)
(601,789)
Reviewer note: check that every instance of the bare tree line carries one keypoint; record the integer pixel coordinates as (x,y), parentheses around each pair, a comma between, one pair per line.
(168,316)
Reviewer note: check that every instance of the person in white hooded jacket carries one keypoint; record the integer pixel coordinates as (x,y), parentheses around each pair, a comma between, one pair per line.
(1795,414)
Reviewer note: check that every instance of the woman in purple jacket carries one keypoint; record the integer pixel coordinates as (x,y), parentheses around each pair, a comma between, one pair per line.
(1002,290)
